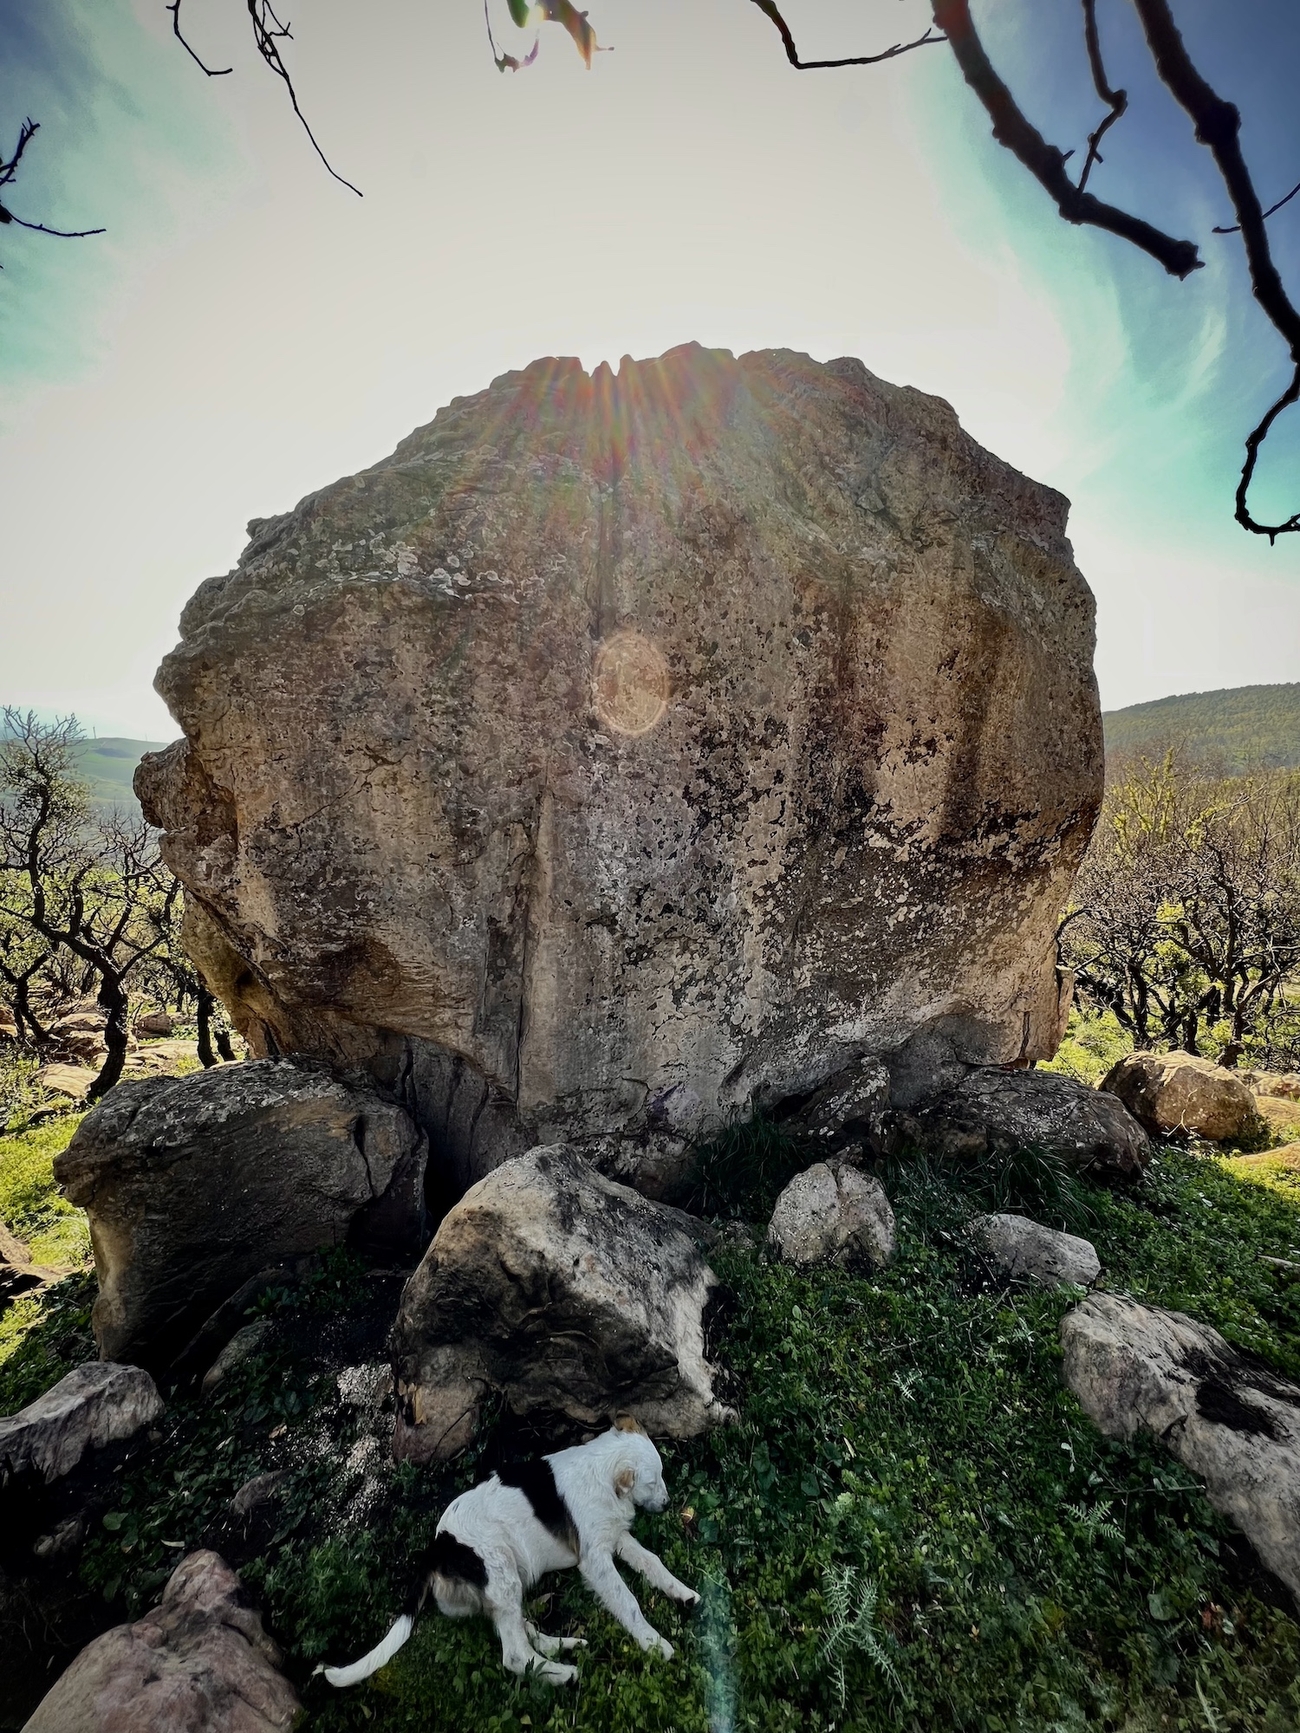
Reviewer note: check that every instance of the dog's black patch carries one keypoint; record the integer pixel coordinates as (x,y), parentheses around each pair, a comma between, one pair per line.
(536,1480)
(449,1558)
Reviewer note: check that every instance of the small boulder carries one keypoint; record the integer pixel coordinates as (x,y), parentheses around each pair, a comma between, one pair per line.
(91,1406)
(992,1110)
(193,1184)
(73,1081)
(570,1295)
(1022,1247)
(851,1105)
(199,1661)
(1235,1425)
(154,1023)
(832,1213)
(242,1346)
(1175,1093)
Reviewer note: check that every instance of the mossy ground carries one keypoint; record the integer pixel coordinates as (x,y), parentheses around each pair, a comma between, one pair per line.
(912,1525)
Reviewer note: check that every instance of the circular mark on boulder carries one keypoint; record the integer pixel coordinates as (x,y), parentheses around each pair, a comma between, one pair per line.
(631,684)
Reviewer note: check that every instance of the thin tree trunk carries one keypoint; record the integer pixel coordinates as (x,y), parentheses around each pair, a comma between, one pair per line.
(205,1001)
(112,996)
(224,1046)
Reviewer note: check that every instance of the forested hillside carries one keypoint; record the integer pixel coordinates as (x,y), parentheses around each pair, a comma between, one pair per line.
(1242,728)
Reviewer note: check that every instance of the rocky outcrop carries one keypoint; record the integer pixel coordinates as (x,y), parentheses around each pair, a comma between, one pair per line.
(1172,1094)
(192,1186)
(90,1407)
(851,1106)
(571,1296)
(999,1111)
(1232,1423)
(626,751)
(832,1213)
(199,1661)
(1023,1248)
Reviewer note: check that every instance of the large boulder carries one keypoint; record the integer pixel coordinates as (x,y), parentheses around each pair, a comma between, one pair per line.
(199,1662)
(997,1111)
(627,751)
(1172,1094)
(90,1407)
(1232,1423)
(831,1213)
(571,1296)
(193,1185)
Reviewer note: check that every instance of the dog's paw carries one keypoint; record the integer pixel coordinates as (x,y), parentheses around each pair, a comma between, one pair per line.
(687,1597)
(555,1672)
(657,1645)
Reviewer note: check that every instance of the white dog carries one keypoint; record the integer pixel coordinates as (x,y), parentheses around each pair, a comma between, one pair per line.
(572,1508)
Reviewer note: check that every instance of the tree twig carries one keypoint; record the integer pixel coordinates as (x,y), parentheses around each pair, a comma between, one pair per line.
(772,11)
(1045,161)
(8,172)
(1117,100)
(1218,126)
(212,71)
(1235,228)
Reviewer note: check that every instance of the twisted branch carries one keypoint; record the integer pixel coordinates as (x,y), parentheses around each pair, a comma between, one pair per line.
(770,10)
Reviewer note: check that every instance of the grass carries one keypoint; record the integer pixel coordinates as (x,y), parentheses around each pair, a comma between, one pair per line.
(911,1526)
(30,1203)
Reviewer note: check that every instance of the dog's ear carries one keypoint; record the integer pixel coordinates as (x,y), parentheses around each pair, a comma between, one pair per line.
(624,1481)
(628,1423)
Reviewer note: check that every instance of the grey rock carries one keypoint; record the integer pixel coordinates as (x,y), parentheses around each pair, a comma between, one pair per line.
(850,1105)
(261,1489)
(491,783)
(831,1213)
(1020,1246)
(367,1386)
(64,1538)
(193,1185)
(242,1346)
(565,1292)
(1135,1368)
(1175,1093)
(997,1110)
(199,1662)
(91,1406)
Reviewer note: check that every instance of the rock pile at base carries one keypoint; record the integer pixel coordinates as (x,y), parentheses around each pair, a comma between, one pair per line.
(832,1213)
(1172,1094)
(1135,1368)
(199,1662)
(626,751)
(193,1185)
(570,1296)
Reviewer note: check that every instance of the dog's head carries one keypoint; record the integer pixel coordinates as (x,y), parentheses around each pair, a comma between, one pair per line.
(638,1472)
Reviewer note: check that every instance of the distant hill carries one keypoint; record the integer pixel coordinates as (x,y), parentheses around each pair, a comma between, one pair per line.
(108,766)
(1242,728)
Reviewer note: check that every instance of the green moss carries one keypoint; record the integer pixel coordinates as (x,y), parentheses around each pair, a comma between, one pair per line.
(31,1205)
(44,1336)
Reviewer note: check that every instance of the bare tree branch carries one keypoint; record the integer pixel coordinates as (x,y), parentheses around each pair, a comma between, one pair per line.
(8,172)
(1218,127)
(179,34)
(1044,161)
(1117,100)
(772,11)
(1285,200)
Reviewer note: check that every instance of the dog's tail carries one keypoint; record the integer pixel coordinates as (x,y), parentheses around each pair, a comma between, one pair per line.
(378,1657)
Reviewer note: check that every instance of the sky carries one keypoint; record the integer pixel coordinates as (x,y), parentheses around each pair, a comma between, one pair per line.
(247,329)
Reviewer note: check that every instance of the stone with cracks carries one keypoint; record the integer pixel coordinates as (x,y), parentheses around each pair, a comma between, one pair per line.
(626,751)
(199,1661)
(995,1111)
(1234,1424)
(1022,1247)
(90,1407)
(193,1185)
(570,1295)
(831,1213)
(1172,1094)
